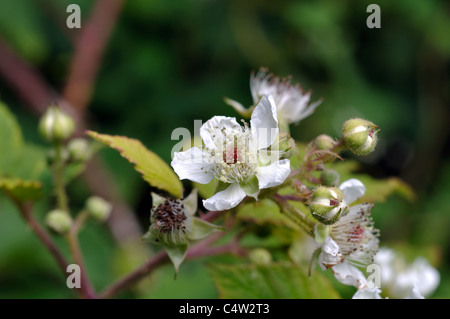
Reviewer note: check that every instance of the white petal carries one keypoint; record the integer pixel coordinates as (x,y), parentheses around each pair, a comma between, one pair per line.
(349,275)
(368,293)
(385,259)
(415,293)
(274,174)
(264,122)
(226,199)
(193,164)
(352,189)
(403,283)
(211,132)
(330,254)
(425,276)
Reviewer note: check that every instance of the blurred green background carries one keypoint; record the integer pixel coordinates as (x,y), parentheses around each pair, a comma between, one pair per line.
(170,62)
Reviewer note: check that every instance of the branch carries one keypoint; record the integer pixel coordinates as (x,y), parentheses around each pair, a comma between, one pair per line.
(72,238)
(201,249)
(23,78)
(89,51)
(41,233)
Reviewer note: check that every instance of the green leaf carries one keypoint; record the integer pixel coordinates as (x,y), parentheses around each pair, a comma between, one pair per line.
(264,212)
(177,254)
(377,190)
(30,163)
(21,190)
(11,141)
(152,168)
(202,229)
(274,281)
(206,190)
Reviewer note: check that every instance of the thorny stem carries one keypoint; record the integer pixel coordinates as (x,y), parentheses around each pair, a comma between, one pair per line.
(308,166)
(295,215)
(201,249)
(332,151)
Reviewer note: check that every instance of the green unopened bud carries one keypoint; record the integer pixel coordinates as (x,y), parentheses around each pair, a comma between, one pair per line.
(260,256)
(328,205)
(284,144)
(59,221)
(55,125)
(360,136)
(324,142)
(98,208)
(79,149)
(330,177)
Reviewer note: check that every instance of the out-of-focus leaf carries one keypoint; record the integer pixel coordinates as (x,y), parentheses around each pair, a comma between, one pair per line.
(20,23)
(11,141)
(152,168)
(299,155)
(73,170)
(274,281)
(378,190)
(264,212)
(21,190)
(206,190)
(30,163)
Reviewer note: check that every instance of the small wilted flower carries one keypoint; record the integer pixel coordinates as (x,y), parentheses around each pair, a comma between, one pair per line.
(55,125)
(236,156)
(327,205)
(172,224)
(360,136)
(292,102)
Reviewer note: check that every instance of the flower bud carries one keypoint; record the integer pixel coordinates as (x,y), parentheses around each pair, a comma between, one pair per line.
(328,205)
(260,256)
(59,221)
(324,142)
(169,223)
(79,149)
(98,208)
(285,144)
(359,136)
(330,177)
(55,125)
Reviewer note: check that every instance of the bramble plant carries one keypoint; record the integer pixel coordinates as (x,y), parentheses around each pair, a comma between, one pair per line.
(254,181)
